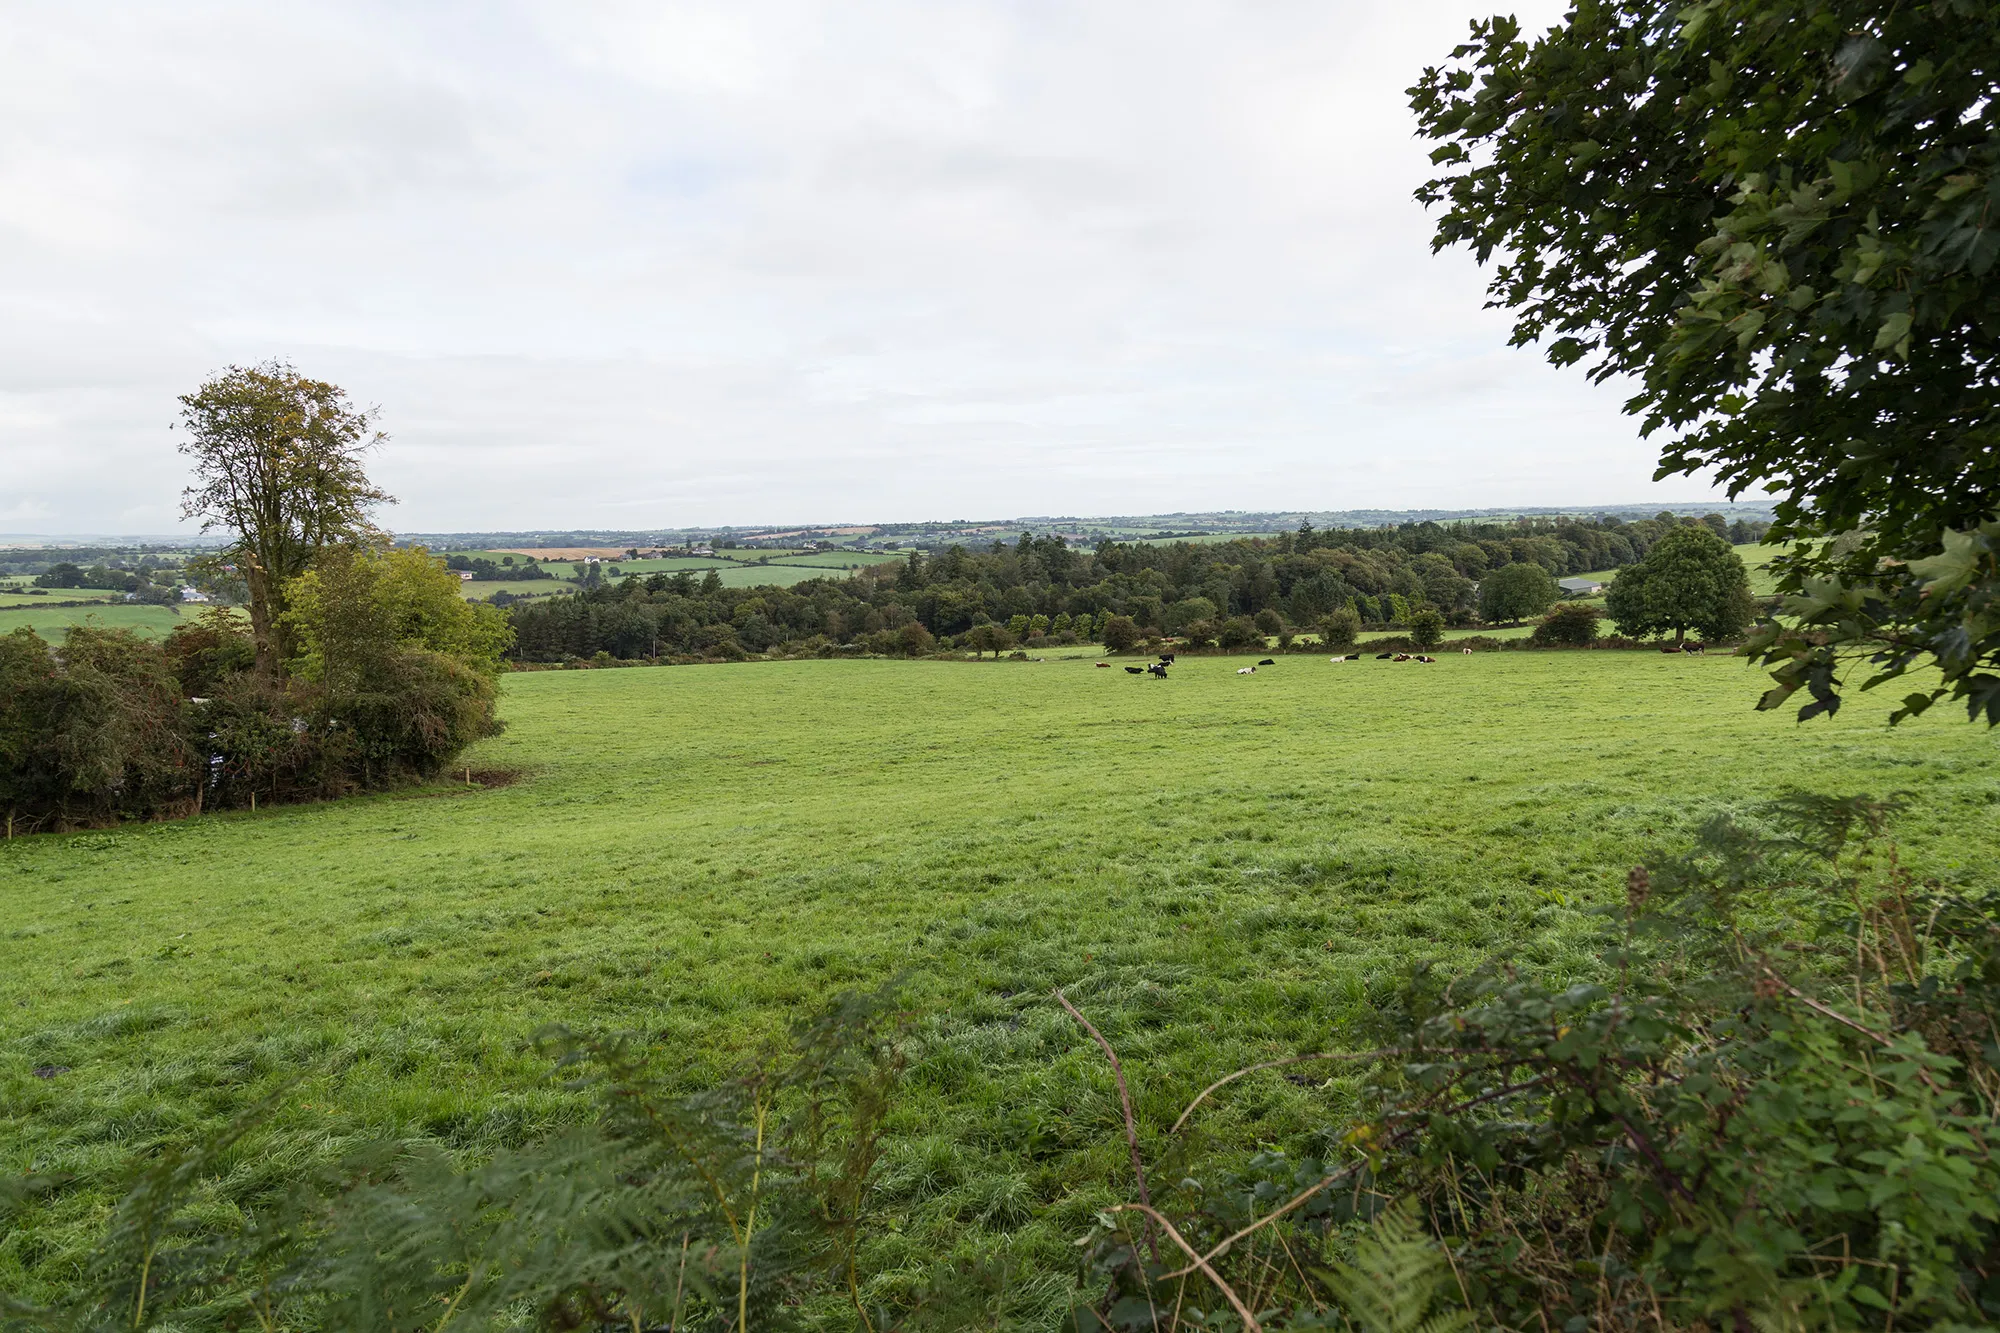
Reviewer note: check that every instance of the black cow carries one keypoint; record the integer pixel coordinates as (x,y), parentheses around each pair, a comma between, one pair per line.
(1167,658)
(1269,661)
(1136,671)
(1157,669)
(1383,657)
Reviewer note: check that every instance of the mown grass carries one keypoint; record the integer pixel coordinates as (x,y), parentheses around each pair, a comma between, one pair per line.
(1217,868)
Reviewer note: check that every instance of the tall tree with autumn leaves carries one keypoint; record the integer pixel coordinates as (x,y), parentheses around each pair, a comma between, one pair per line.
(278,463)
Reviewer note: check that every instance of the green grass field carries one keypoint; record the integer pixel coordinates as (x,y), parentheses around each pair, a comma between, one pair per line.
(55,621)
(1217,868)
(17,596)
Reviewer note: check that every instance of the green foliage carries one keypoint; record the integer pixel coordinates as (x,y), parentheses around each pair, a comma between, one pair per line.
(1427,628)
(358,605)
(277,463)
(1570,625)
(1691,579)
(1942,611)
(1239,632)
(1397,1277)
(1339,628)
(1121,635)
(1028,587)
(1515,592)
(1776,217)
(1777,1096)
(91,734)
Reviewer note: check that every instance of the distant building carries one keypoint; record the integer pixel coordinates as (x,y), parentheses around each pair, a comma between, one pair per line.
(1580,587)
(465,576)
(193,595)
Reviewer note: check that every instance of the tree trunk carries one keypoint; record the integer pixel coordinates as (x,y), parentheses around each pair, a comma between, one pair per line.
(1680,635)
(263,622)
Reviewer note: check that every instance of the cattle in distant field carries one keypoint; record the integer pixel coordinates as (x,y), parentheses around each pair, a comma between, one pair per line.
(1383,657)
(1168,658)
(1246,671)
(1401,657)
(1104,664)
(1466,651)
(1136,671)
(1670,648)
(1694,646)
(1346,657)
(1157,669)
(1269,661)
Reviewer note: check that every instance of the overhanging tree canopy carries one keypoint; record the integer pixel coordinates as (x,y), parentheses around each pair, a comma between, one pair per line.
(1779,218)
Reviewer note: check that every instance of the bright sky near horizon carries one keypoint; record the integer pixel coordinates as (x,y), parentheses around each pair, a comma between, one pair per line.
(635,265)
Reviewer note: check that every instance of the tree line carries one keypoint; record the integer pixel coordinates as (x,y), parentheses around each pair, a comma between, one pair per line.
(1042,591)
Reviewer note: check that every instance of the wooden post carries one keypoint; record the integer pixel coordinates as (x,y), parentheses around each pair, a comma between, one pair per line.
(253,800)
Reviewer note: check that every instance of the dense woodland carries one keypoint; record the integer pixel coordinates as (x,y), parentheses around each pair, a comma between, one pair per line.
(1042,588)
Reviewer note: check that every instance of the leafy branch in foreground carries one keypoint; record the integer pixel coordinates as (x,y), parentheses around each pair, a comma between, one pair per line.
(1778,217)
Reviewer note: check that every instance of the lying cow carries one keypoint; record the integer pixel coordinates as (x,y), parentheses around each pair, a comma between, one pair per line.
(1383,657)
(1269,661)
(1466,651)
(1246,671)
(1104,664)
(1136,671)
(1400,657)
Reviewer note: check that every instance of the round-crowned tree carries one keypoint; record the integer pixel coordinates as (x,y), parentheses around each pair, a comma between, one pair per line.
(1427,627)
(1121,634)
(1515,592)
(1690,580)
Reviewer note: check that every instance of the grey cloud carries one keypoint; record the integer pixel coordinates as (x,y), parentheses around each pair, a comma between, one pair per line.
(633,263)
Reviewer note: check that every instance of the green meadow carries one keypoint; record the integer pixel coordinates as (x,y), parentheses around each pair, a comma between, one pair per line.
(1217,868)
(52,622)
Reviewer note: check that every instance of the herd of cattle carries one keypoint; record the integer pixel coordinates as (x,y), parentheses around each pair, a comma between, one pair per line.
(1159,668)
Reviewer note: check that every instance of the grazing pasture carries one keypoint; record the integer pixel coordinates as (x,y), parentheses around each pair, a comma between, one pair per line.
(1218,869)
(53,622)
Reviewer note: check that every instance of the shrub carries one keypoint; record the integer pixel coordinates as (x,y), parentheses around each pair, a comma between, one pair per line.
(1200,633)
(93,733)
(1340,628)
(1573,625)
(1427,628)
(1121,634)
(1239,632)
(1269,622)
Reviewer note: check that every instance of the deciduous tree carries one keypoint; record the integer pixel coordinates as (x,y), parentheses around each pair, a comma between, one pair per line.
(1691,579)
(277,463)
(1515,592)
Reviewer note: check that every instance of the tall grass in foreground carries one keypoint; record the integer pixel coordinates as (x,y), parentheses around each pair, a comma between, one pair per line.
(1773,1107)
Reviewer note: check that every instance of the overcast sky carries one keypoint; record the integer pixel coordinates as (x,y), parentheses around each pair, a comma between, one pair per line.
(658,264)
